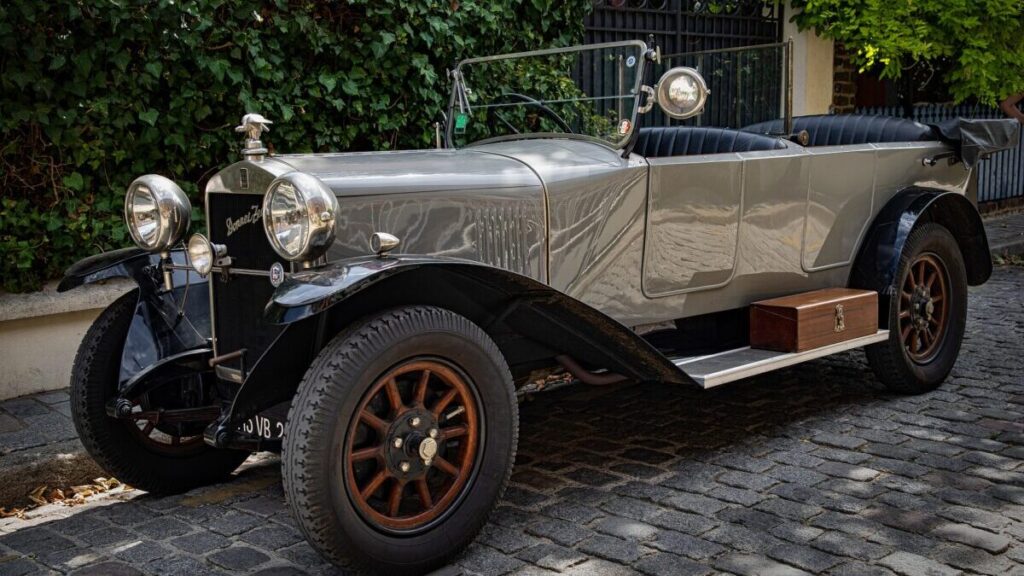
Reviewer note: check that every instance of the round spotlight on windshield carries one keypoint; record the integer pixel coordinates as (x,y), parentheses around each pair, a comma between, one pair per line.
(682,93)
(202,253)
(157,212)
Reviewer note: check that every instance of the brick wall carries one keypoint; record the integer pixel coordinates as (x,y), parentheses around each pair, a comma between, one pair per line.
(844,88)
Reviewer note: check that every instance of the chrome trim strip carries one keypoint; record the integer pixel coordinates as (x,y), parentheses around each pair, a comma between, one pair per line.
(750,362)
(221,269)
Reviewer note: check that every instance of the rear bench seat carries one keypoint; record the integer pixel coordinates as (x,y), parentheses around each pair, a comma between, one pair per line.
(692,140)
(846,129)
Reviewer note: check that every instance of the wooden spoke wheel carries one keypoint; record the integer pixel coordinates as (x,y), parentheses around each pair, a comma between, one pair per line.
(924,307)
(926,313)
(412,446)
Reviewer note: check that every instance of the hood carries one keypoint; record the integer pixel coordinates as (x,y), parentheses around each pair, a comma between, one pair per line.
(412,171)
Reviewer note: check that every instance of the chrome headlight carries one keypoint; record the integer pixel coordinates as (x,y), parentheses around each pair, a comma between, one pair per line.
(157,212)
(298,216)
(202,253)
(682,92)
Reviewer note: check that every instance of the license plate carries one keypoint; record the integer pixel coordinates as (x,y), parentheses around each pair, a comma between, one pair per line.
(269,424)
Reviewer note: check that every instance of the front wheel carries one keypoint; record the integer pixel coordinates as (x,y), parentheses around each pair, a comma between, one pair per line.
(927,314)
(400,440)
(145,452)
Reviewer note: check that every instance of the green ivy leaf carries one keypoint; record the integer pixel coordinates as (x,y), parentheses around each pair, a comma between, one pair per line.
(149,116)
(74,181)
(327,81)
(349,87)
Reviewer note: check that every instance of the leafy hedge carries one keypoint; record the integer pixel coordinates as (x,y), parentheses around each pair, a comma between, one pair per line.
(95,94)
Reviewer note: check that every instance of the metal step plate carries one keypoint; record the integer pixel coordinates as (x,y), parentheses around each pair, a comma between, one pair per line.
(716,369)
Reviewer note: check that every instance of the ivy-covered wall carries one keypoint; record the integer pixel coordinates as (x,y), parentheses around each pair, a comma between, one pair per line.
(93,94)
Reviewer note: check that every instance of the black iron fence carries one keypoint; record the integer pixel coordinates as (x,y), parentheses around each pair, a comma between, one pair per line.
(1001,177)
(686,25)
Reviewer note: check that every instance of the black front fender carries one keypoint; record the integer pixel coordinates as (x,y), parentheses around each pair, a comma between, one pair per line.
(122,263)
(165,323)
(486,295)
(526,318)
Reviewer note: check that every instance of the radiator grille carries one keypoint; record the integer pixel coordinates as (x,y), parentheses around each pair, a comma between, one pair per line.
(234,220)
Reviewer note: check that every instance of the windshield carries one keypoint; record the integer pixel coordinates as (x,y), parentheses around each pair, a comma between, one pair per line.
(587,91)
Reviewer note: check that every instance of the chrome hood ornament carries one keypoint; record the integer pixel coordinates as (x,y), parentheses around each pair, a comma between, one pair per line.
(253,126)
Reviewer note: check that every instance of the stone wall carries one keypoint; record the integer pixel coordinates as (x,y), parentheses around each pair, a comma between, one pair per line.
(40,333)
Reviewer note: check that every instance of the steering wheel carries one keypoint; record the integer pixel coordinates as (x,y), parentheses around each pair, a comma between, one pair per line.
(493,117)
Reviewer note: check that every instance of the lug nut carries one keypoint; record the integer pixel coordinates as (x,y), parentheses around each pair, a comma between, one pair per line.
(404,466)
(398,442)
(415,421)
(433,432)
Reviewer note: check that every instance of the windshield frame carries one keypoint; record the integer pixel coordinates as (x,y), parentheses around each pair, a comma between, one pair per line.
(637,92)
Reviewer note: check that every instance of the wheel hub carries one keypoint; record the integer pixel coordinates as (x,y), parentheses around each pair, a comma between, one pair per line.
(923,308)
(412,444)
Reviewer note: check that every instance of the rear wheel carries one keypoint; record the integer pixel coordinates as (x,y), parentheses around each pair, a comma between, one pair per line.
(400,440)
(143,451)
(927,314)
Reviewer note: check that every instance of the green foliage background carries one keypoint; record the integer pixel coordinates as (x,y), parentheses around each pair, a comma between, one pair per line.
(984,39)
(93,94)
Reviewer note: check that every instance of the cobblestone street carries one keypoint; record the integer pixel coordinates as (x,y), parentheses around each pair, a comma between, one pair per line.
(809,470)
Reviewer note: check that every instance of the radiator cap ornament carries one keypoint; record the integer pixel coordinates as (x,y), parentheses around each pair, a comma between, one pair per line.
(253,126)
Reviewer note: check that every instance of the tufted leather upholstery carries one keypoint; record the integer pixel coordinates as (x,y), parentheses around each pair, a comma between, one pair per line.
(691,140)
(839,130)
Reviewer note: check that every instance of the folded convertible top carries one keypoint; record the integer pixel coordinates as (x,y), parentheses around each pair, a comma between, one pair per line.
(977,138)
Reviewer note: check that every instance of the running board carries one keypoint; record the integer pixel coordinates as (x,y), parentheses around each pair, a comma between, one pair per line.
(716,369)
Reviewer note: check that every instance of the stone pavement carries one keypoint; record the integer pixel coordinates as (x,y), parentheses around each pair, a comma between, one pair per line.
(809,470)
(38,443)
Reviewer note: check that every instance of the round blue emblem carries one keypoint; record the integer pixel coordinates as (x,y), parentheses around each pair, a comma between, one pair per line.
(276,274)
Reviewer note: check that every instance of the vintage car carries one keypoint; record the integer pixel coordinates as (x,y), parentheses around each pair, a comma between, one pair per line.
(372,315)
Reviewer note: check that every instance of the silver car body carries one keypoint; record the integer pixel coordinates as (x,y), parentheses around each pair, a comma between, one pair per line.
(642,240)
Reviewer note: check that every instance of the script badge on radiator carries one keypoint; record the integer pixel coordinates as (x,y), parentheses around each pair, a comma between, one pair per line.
(276,274)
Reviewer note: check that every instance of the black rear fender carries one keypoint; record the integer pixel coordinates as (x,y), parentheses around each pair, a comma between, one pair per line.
(877,263)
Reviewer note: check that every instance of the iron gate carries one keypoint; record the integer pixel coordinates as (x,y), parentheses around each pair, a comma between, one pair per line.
(686,25)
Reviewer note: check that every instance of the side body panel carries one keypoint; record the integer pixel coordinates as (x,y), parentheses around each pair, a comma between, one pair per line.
(714,232)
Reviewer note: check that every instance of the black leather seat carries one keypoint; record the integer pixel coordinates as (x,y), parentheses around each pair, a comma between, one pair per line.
(692,140)
(845,129)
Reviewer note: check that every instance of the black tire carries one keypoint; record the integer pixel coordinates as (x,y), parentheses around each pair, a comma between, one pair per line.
(901,369)
(323,419)
(115,446)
